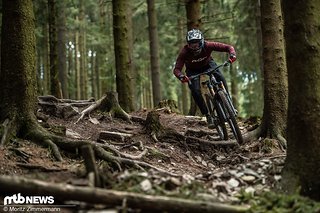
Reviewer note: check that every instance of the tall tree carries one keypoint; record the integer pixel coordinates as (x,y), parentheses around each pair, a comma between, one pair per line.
(18,71)
(275,72)
(154,53)
(122,56)
(185,94)
(82,51)
(54,73)
(62,55)
(193,21)
(302,34)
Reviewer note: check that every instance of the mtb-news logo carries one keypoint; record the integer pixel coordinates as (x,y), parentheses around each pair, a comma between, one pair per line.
(20,203)
(19,199)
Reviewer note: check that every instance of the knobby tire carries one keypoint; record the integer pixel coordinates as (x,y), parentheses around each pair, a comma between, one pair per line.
(231,119)
(215,111)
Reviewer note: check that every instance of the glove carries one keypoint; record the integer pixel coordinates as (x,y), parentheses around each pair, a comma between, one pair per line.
(232,58)
(183,78)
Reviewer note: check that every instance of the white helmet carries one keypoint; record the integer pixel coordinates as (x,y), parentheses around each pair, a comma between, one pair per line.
(193,37)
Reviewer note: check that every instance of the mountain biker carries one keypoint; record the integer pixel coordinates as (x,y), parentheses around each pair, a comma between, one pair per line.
(196,56)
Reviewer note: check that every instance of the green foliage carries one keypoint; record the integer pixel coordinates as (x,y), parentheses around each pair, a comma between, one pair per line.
(269,202)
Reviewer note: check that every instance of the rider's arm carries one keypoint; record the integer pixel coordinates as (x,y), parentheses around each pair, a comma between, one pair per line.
(179,64)
(221,47)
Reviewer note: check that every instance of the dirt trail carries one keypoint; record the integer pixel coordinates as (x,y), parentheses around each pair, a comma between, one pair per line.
(214,173)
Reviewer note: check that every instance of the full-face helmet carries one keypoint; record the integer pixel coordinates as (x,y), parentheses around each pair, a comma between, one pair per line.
(195,40)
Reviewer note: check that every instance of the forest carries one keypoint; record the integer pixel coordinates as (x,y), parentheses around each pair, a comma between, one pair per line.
(93,118)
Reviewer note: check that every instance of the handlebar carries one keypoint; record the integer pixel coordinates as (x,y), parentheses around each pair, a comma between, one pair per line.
(209,71)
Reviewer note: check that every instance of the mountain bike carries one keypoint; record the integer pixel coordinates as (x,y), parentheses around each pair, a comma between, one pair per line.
(219,104)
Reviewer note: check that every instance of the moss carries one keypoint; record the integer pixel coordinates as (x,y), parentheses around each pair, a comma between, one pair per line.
(276,202)
(268,145)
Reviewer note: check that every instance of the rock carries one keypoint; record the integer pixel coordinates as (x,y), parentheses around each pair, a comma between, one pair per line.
(233,183)
(248,178)
(146,185)
(204,163)
(188,178)
(198,158)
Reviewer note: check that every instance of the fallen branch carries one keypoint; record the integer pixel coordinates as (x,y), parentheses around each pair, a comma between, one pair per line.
(133,157)
(90,163)
(108,103)
(215,143)
(65,192)
(117,136)
(39,167)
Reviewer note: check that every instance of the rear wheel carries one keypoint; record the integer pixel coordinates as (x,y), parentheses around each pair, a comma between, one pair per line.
(215,111)
(231,119)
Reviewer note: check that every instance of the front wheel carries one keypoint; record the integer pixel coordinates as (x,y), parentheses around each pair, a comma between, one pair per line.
(215,111)
(231,119)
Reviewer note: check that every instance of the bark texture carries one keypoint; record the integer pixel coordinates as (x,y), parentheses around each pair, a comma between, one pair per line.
(275,73)
(193,21)
(17,65)
(55,88)
(154,53)
(121,50)
(302,33)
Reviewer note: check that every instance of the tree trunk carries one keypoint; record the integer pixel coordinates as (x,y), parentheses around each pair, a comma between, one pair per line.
(275,73)
(55,89)
(17,65)
(134,73)
(77,63)
(193,14)
(154,53)
(82,51)
(71,69)
(302,33)
(62,53)
(193,21)
(122,57)
(184,87)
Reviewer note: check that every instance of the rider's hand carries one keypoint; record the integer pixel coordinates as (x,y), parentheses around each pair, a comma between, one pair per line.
(232,58)
(183,78)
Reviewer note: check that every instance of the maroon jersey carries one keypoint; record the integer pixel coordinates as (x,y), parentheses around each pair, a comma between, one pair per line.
(194,62)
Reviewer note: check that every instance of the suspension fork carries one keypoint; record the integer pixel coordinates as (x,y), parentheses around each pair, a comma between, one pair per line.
(211,90)
(221,85)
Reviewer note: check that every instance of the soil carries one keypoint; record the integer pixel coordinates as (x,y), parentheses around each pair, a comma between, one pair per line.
(215,173)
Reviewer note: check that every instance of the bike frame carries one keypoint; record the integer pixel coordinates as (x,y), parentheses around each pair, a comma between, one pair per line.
(213,85)
(217,90)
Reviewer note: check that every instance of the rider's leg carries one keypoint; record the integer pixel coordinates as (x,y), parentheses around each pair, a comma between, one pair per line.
(218,75)
(198,98)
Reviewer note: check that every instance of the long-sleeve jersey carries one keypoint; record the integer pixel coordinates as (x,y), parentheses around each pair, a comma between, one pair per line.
(194,62)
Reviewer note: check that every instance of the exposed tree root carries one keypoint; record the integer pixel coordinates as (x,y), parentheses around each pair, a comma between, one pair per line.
(108,103)
(147,203)
(261,132)
(157,132)
(219,143)
(39,167)
(4,131)
(101,153)
(133,157)
(39,135)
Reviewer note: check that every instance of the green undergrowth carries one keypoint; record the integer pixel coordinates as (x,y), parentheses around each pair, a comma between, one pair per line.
(272,202)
